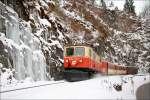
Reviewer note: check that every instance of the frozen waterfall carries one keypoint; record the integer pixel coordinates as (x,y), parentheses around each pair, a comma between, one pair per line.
(28,59)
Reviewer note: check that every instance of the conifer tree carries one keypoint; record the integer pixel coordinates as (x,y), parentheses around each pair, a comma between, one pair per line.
(146,10)
(103,4)
(129,6)
(111,4)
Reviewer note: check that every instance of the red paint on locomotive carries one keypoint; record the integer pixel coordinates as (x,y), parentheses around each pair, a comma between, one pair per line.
(81,62)
(88,59)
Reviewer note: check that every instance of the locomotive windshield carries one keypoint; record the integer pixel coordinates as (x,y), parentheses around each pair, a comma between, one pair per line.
(77,51)
(69,51)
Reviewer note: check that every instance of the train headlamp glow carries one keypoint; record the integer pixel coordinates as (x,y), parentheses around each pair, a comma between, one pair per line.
(66,60)
(74,62)
(80,60)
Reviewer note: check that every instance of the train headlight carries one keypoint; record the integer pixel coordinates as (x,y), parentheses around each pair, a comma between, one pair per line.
(67,61)
(74,62)
(80,60)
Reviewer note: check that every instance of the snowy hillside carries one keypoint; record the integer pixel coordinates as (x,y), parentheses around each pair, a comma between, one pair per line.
(33,32)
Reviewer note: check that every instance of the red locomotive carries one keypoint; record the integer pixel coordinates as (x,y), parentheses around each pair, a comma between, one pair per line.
(81,61)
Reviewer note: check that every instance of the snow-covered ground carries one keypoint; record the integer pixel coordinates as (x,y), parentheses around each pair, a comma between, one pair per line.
(99,87)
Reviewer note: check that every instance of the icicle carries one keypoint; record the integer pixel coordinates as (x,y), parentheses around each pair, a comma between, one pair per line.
(25,50)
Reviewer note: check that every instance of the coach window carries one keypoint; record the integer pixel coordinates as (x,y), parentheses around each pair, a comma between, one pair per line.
(79,51)
(94,55)
(69,51)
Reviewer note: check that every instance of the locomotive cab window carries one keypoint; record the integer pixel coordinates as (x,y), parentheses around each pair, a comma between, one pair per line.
(69,51)
(79,51)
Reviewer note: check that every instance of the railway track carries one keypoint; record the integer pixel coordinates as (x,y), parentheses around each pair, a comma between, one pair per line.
(29,87)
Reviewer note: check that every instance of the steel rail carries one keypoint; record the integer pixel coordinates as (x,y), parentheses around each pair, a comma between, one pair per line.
(11,90)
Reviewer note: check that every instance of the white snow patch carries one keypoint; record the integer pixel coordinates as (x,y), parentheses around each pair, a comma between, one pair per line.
(95,34)
(100,87)
(45,22)
(6,78)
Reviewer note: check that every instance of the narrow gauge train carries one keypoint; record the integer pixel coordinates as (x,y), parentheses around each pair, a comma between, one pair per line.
(81,61)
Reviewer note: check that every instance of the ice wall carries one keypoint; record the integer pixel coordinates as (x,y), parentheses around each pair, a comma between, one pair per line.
(25,48)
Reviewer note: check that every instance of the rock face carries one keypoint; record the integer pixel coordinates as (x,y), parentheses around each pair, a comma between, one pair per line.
(17,5)
(22,49)
(36,30)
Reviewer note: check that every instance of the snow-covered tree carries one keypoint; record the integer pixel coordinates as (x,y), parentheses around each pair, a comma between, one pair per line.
(129,6)
(103,4)
(111,4)
(92,2)
(100,3)
(146,11)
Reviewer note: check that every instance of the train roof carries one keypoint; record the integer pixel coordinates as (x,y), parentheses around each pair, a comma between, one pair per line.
(87,45)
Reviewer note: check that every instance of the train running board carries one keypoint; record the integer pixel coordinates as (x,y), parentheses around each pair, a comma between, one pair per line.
(73,75)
